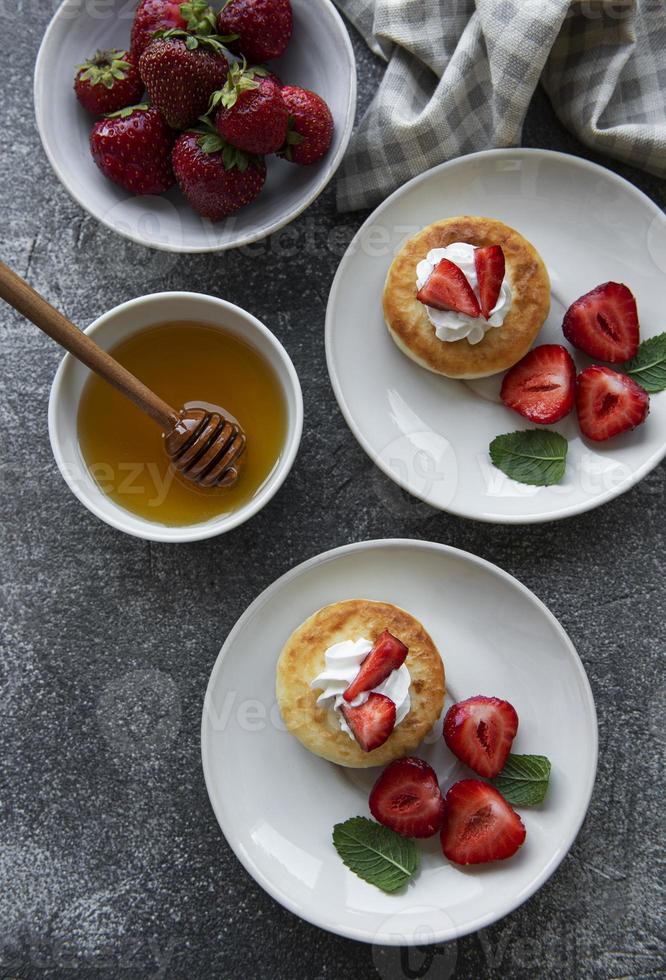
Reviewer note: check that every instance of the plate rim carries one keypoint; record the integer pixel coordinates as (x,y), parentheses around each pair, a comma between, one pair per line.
(571,510)
(332,165)
(391,939)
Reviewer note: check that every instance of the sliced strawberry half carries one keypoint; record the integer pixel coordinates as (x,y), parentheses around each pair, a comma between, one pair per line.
(479,825)
(447,288)
(406,798)
(604,323)
(479,731)
(489,264)
(387,655)
(541,386)
(609,403)
(371,722)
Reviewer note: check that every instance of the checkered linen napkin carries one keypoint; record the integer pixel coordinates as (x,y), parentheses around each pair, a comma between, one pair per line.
(461,74)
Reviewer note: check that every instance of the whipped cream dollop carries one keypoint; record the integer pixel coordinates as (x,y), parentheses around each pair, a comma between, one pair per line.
(343,661)
(449,324)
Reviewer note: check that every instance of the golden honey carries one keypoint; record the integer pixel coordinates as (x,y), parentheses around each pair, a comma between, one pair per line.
(182,362)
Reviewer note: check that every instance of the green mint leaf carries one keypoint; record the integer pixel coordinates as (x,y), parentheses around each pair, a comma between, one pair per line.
(648,367)
(524,779)
(375,853)
(534,456)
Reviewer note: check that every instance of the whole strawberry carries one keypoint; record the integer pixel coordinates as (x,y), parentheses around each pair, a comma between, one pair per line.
(181,70)
(133,148)
(252,114)
(215,177)
(310,125)
(263,27)
(151,16)
(108,81)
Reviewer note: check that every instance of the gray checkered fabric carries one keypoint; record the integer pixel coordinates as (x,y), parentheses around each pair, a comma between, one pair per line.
(461,73)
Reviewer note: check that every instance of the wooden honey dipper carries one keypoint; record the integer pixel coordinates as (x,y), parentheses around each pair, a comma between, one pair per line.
(205,445)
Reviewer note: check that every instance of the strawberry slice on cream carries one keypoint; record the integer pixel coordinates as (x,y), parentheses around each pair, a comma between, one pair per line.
(388,654)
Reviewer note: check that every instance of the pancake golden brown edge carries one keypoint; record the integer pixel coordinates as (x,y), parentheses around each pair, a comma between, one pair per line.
(501,347)
(302,658)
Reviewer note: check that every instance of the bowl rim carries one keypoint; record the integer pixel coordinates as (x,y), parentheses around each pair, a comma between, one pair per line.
(327,173)
(190,532)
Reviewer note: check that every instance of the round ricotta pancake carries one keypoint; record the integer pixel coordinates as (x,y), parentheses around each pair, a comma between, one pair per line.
(501,347)
(317,726)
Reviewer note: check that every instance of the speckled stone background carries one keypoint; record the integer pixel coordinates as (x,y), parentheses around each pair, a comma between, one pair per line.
(111,861)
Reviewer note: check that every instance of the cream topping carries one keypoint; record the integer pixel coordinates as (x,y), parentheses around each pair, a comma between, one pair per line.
(343,661)
(449,324)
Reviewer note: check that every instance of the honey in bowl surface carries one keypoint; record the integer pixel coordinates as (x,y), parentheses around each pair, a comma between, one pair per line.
(184,363)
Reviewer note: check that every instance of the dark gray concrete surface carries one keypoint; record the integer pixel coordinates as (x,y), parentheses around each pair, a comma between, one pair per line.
(111,861)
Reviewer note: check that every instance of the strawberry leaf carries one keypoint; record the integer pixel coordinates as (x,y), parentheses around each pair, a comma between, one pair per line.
(533,456)
(104,67)
(194,40)
(127,111)
(199,17)
(376,853)
(211,143)
(524,779)
(648,367)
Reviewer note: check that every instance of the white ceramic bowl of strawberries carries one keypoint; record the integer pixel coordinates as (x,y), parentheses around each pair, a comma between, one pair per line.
(318,58)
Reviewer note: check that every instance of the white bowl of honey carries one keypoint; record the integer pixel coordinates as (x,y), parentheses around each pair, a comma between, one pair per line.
(187,347)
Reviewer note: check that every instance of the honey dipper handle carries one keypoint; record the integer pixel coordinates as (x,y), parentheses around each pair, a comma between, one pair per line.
(16,291)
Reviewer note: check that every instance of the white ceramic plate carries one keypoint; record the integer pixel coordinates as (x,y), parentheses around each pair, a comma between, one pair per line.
(431,434)
(276,802)
(319,57)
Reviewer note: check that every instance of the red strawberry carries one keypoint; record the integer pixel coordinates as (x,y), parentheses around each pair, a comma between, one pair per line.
(447,288)
(609,403)
(263,27)
(133,148)
(407,799)
(108,81)
(604,323)
(479,825)
(310,125)
(371,722)
(387,655)
(489,265)
(151,16)
(181,71)
(252,114)
(542,385)
(479,731)
(216,178)
(273,77)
